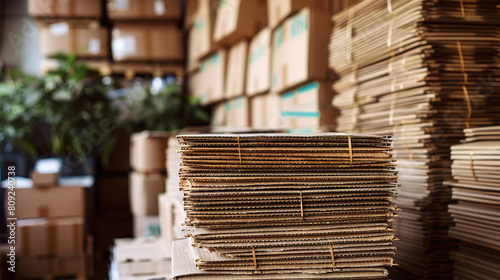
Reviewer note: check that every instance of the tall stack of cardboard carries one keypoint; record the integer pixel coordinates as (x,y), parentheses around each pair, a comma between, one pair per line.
(71,26)
(147,180)
(146,36)
(308,206)
(476,215)
(422,70)
(50,232)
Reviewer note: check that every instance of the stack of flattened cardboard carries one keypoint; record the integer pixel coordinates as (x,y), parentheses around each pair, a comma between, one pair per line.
(317,205)
(423,71)
(475,168)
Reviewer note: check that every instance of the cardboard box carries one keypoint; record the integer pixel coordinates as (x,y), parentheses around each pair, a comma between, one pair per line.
(259,63)
(192,53)
(140,256)
(191,8)
(65,9)
(171,218)
(236,69)
(159,42)
(237,19)
(113,194)
(237,111)
(44,237)
(28,268)
(143,9)
(146,226)
(147,151)
(195,87)
(265,111)
(201,41)
(278,10)
(51,202)
(308,106)
(144,190)
(219,117)
(44,179)
(213,73)
(300,50)
(87,42)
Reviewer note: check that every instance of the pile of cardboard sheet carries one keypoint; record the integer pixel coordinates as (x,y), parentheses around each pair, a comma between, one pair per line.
(423,71)
(475,169)
(317,206)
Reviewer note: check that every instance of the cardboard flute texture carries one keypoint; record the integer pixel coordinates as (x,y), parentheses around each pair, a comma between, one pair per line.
(87,42)
(90,9)
(146,42)
(308,106)
(236,69)
(299,49)
(147,151)
(44,237)
(50,202)
(296,204)
(259,63)
(143,9)
(278,10)
(144,190)
(237,19)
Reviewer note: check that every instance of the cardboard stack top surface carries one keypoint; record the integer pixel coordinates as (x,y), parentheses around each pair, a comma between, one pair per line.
(289,203)
(423,71)
(476,215)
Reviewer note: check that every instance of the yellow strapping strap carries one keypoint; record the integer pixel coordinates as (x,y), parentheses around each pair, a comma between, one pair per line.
(462,8)
(350,148)
(462,63)
(464,88)
(333,258)
(472,167)
(469,107)
(254,259)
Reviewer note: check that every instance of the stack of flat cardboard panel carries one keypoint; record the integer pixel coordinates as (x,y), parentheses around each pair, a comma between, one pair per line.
(423,71)
(476,214)
(264,205)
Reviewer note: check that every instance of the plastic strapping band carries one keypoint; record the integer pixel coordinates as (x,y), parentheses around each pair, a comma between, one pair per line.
(462,8)
(472,167)
(254,259)
(350,148)
(333,258)
(469,108)
(389,6)
(301,206)
(239,148)
(462,63)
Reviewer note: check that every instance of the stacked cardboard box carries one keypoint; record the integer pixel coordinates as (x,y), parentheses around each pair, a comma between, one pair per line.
(50,232)
(422,70)
(145,36)
(71,27)
(273,204)
(147,180)
(476,215)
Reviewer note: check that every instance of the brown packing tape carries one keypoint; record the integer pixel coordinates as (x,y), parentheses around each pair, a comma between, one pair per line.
(25,232)
(52,238)
(76,237)
(472,166)
(333,257)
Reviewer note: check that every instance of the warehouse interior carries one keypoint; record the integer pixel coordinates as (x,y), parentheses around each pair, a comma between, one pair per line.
(250,139)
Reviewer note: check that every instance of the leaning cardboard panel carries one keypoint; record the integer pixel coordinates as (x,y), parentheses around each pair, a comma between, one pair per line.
(52,202)
(237,19)
(87,42)
(213,75)
(143,9)
(144,190)
(147,151)
(90,9)
(160,42)
(259,63)
(278,10)
(300,49)
(236,69)
(308,106)
(44,237)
